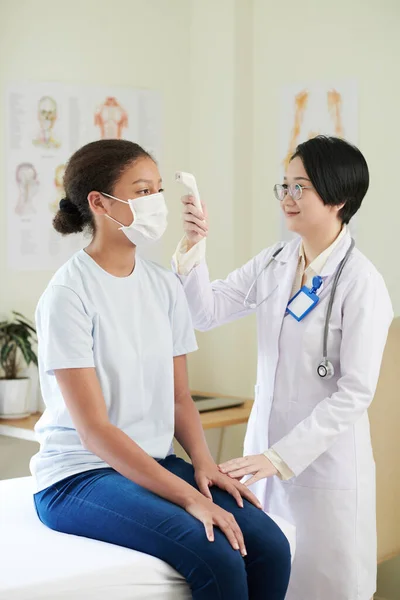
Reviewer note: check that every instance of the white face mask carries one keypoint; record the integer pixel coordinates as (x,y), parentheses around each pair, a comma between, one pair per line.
(149,218)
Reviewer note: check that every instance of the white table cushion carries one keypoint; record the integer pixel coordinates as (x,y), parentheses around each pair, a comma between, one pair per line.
(37,563)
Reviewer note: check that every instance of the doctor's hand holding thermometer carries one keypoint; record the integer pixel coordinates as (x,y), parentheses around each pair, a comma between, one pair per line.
(323,315)
(195,216)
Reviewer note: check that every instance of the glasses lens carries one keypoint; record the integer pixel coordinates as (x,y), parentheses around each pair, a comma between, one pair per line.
(296,191)
(280,192)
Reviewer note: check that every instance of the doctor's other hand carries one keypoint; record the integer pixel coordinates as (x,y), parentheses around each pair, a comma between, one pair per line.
(195,222)
(257,465)
(208,475)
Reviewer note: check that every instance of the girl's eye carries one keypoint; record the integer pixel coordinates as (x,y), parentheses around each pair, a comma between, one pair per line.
(147,191)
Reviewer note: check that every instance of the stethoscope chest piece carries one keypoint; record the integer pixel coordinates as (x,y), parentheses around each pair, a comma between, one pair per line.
(325,369)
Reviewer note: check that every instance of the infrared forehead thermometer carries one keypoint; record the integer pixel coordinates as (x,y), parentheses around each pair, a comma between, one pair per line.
(188,180)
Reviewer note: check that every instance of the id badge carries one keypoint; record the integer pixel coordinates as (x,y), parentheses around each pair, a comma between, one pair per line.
(305,300)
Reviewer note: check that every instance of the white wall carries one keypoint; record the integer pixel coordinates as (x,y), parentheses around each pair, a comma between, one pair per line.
(220,156)
(271,44)
(241,56)
(321,40)
(219,66)
(136,43)
(168,45)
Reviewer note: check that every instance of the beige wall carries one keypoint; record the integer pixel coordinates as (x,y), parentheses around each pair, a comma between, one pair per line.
(219,65)
(137,43)
(321,40)
(15,455)
(221,157)
(245,53)
(175,47)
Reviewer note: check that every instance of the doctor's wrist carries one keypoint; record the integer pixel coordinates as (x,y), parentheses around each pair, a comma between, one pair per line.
(188,245)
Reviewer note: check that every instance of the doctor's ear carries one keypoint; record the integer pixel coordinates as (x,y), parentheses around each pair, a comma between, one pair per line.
(336,208)
(98,203)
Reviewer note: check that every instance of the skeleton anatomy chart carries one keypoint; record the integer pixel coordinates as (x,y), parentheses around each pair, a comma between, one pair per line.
(45,124)
(308,110)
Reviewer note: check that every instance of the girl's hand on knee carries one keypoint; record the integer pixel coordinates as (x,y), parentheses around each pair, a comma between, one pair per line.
(212,515)
(257,465)
(209,475)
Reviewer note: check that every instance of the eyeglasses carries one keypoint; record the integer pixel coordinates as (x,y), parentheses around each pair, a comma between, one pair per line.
(294,190)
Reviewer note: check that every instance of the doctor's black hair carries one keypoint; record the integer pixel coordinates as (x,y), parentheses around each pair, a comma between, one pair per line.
(338,171)
(94,167)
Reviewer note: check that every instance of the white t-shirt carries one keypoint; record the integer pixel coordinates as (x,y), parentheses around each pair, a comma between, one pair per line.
(129,329)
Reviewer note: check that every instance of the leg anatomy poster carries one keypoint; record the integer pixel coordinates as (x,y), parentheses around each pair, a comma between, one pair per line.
(312,109)
(45,124)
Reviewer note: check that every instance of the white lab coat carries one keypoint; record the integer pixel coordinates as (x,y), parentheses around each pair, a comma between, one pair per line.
(319,427)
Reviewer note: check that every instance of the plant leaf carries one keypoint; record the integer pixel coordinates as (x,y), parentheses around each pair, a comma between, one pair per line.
(22,317)
(26,325)
(33,357)
(23,346)
(5,353)
(19,331)
(19,334)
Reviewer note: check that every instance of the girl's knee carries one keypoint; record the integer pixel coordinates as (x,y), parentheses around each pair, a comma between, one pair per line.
(220,570)
(281,548)
(275,545)
(264,538)
(269,565)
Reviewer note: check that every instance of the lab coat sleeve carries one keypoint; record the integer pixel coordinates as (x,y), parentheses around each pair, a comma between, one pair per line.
(184,260)
(182,328)
(221,301)
(367,314)
(284,472)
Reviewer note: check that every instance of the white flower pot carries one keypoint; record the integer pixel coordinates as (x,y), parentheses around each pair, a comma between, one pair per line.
(14,398)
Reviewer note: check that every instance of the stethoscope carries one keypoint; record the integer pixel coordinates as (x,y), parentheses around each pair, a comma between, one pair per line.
(325,368)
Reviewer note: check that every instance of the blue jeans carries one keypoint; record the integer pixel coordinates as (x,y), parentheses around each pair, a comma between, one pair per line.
(103,505)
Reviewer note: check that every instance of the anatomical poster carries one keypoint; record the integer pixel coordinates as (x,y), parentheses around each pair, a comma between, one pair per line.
(45,124)
(311,109)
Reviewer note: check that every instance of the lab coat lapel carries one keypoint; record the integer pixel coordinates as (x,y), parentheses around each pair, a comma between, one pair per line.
(273,274)
(280,282)
(333,263)
(283,271)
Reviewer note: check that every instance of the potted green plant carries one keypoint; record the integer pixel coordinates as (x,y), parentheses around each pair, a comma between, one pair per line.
(17,340)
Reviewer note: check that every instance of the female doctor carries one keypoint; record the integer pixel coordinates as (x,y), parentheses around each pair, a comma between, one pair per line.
(307,450)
